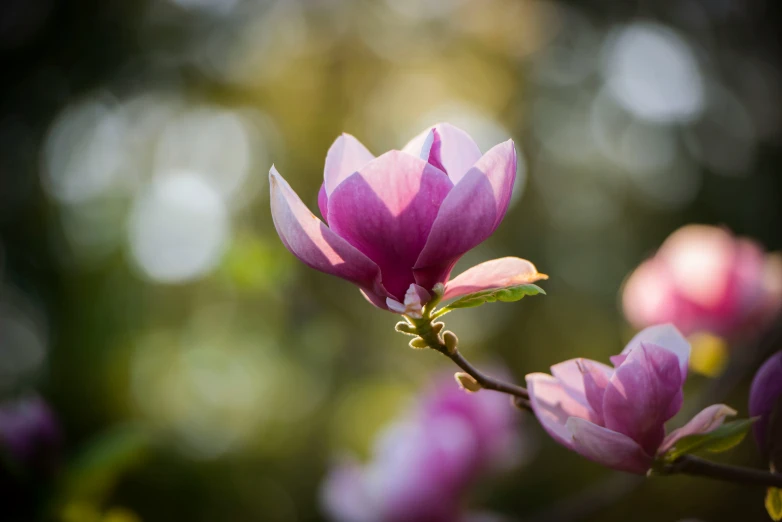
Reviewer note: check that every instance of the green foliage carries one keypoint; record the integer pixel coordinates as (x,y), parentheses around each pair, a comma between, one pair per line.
(774,503)
(95,470)
(505,295)
(722,439)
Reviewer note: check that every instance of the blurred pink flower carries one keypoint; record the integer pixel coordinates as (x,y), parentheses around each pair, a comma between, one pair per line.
(765,402)
(616,416)
(398,223)
(29,433)
(424,463)
(704,279)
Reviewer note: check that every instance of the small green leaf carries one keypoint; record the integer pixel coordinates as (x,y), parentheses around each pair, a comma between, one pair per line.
(774,503)
(722,439)
(505,295)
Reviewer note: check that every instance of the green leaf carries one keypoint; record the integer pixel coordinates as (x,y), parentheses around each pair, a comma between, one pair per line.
(774,503)
(722,439)
(505,295)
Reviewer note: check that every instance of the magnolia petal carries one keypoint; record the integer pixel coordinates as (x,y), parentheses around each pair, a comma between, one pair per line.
(446,147)
(617,360)
(323,202)
(596,377)
(309,239)
(386,211)
(764,395)
(570,377)
(665,336)
(469,215)
(378,300)
(649,297)
(699,260)
(708,420)
(553,406)
(609,448)
(639,397)
(497,273)
(415,299)
(345,156)
(395,306)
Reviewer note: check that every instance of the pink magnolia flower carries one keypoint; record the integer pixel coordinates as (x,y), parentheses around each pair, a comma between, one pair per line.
(424,463)
(765,402)
(398,223)
(704,279)
(616,416)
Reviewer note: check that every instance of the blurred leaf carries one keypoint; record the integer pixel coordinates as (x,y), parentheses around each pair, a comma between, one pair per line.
(252,264)
(87,512)
(80,512)
(505,295)
(774,503)
(722,439)
(120,515)
(709,354)
(94,471)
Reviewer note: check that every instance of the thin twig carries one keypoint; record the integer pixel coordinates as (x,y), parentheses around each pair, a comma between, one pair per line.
(428,332)
(484,380)
(692,465)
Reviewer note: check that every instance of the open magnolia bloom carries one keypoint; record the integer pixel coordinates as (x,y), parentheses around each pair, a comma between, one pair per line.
(616,416)
(398,223)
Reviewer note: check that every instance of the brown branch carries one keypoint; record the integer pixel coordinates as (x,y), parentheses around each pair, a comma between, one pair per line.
(429,335)
(692,465)
(484,380)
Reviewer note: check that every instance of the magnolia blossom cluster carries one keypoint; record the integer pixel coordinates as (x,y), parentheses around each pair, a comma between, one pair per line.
(423,465)
(616,415)
(704,279)
(395,225)
(765,403)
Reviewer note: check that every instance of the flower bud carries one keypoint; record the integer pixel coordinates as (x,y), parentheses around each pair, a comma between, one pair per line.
(405,328)
(467,382)
(418,343)
(765,402)
(451,341)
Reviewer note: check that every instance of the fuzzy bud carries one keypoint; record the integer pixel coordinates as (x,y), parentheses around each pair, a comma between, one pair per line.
(467,382)
(405,328)
(418,343)
(451,341)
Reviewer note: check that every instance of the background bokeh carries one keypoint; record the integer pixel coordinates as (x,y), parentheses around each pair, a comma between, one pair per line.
(199,372)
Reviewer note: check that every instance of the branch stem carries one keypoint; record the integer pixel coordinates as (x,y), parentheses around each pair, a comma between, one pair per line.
(426,330)
(692,465)
(484,380)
